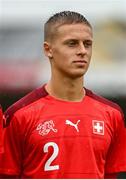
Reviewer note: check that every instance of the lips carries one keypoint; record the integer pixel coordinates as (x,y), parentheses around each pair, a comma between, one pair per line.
(80,61)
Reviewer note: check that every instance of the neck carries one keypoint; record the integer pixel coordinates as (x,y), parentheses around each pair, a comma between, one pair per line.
(66,89)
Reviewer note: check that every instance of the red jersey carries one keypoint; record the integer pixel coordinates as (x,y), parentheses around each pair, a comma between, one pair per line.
(51,138)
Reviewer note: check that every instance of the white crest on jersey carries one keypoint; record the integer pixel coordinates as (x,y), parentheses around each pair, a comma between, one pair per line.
(46,127)
(68,122)
(98,127)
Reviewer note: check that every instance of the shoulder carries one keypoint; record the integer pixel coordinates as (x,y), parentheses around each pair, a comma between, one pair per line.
(104,102)
(24,102)
(111,108)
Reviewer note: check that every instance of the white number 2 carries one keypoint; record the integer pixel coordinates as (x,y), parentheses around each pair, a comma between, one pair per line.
(48,166)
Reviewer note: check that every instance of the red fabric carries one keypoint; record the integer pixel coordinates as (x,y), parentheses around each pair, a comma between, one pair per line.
(1,130)
(111,176)
(50,138)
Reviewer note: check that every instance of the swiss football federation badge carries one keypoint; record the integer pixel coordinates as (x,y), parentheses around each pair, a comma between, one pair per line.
(98,127)
(46,127)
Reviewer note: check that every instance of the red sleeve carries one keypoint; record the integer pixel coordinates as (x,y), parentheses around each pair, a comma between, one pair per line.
(116,157)
(1,130)
(10,159)
(111,176)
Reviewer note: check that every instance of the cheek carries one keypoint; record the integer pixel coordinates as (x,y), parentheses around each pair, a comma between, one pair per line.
(57,54)
(89,54)
(62,56)
(59,59)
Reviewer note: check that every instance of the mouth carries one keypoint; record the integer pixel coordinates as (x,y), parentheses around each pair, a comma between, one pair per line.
(80,62)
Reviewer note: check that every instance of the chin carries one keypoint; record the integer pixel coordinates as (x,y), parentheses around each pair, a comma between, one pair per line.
(77,74)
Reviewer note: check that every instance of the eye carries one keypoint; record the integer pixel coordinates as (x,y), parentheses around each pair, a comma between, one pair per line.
(87,44)
(72,43)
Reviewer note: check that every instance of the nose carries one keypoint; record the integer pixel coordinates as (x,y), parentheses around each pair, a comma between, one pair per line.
(81,49)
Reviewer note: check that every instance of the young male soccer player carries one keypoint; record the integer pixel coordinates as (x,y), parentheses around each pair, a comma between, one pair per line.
(63,130)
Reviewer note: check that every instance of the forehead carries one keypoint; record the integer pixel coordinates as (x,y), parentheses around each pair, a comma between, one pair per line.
(77,31)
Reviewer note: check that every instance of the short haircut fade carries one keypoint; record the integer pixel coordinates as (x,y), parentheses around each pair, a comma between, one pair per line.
(61,18)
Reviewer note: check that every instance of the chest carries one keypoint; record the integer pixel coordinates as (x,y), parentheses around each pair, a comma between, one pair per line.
(87,127)
(67,138)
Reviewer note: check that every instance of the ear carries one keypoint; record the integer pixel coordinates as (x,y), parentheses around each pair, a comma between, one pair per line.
(47,49)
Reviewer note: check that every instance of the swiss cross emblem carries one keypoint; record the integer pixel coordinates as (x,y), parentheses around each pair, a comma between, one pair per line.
(98,127)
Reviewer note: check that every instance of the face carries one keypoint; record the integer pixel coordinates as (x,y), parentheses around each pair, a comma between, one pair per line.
(71,49)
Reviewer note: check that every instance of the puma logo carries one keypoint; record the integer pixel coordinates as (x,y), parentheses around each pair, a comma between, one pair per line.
(68,122)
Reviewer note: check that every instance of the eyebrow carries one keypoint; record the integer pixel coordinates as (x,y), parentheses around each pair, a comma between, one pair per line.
(76,40)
